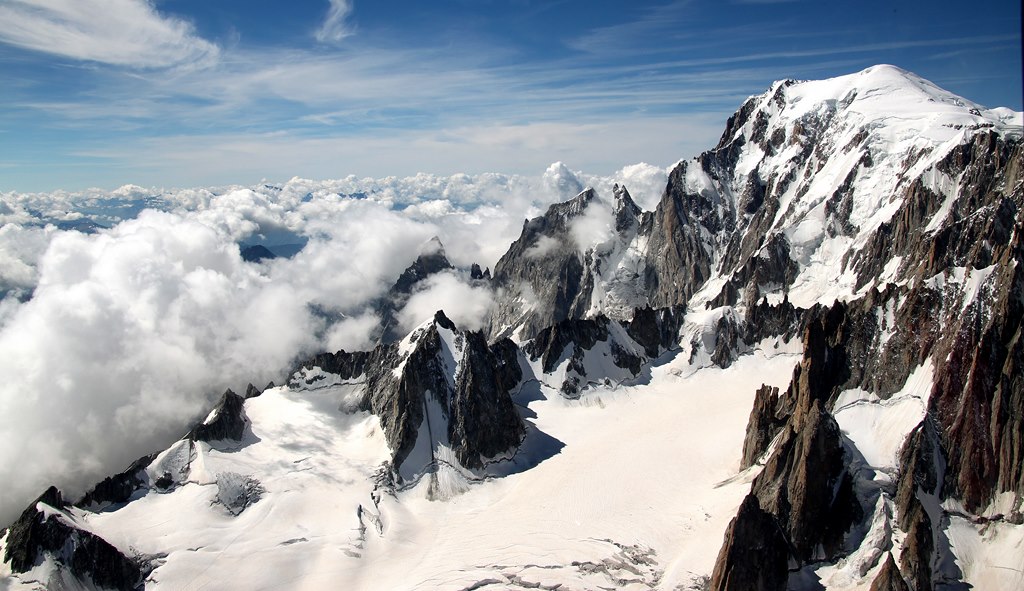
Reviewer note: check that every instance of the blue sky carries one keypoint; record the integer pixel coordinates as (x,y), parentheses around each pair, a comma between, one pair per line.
(180,93)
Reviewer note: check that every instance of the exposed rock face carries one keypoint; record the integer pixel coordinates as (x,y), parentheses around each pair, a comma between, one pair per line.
(754,556)
(679,261)
(771,270)
(656,330)
(119,488)
(400,400)
(545,268)
(922,464)
(226,422)
(765,320)
(550,344)
(437,367)
(252,391)
(477,275)
(343,364)
(45,530)
(432,259)
(483,422)
(727,341)
(979,393)
(804,487)
(889,578)
(762,426)
(917,556)
(574,344)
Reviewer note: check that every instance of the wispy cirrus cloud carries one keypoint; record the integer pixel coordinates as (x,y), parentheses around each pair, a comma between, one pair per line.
(465,102)
(128,33)
(336,26)
(657,22)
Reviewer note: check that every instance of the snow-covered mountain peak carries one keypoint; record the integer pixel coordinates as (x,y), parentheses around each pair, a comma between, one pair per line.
(575,206)
(890,105)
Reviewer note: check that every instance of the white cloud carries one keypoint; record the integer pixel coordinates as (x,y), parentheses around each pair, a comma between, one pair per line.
(357,249)
(645,183)
(562,181)
(335,28)
(20,250)
(128,336)
(119,32)
(544,245)
(353,333)
(594,227)
(466,305)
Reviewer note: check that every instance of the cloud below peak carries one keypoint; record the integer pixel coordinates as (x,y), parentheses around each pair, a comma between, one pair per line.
(118,32)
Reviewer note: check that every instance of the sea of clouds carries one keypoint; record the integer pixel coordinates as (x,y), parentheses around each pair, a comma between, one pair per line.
(113,340)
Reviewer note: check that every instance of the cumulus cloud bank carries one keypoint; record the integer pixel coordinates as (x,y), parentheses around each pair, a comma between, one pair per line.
(128,336)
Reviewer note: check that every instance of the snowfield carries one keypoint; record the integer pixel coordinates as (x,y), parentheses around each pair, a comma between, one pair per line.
(633,487)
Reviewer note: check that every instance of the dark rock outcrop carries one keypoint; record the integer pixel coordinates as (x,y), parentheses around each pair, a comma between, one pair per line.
(762,426)
(546,261)
(483,422)
(252,391)
(572,339)
(765,320)
(804,487)
(678,260)
(45,530)
(978,397)
(431,260)
(727,341)
(889,578)
(755,554)
(119,488)
(771,268)
(917,556)
(343,364)
(227,421)
(656,330)
(581,334)
(477,275)
(467,380)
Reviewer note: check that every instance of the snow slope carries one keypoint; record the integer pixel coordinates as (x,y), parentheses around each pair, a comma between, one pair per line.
(633,487)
